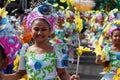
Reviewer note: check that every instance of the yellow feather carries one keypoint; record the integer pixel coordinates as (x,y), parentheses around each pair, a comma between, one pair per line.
(3,13)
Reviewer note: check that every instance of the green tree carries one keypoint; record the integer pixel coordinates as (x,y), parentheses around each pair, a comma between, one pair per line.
(106,4)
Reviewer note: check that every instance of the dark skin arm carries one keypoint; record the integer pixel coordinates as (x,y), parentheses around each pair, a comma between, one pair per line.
(14,76)
(64,75)
(99,61)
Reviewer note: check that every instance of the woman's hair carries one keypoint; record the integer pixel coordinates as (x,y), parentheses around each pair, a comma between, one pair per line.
(118,29)
(2,54)
(42,20)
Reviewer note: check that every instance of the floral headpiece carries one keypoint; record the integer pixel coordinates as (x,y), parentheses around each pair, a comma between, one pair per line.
(44,11)
(69,13)
(33,15)
(45,8)
(61,14)
(113,28)
(100,14)
(10,42)
(113,15)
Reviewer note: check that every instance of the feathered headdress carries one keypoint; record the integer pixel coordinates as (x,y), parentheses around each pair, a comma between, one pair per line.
(114,26)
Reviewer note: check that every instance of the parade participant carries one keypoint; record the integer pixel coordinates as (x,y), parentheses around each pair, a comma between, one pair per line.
(71,32)
(41,61)
(9,44)
(110,58)
(59,37)
(97,28)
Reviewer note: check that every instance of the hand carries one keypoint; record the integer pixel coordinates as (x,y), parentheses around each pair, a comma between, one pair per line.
(98,60)
(75,77)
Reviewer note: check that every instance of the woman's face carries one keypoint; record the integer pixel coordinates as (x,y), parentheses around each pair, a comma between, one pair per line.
(60,21)
(71,19)
(100,19)
(40,30)
(116,37)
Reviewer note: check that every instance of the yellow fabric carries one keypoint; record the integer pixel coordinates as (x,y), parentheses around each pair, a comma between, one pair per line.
(16,63)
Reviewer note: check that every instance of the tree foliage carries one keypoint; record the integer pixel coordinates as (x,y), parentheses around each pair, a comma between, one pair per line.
(107,4)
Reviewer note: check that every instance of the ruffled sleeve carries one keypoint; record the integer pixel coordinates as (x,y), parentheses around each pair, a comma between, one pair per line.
(62,62)
(22,63)
(107,50)
(59,57)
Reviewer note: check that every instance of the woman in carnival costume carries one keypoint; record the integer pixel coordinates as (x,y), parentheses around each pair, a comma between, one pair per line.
(71,32)
(9,44)
(104,38)
(88,18)
(97,28)
(40,61)
(59,37)
(110,56)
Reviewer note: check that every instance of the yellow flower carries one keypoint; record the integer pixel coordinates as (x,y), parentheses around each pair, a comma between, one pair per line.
(103,56)
(108,40)
(68,2)
(86,49)
(117,22)
(72,2)
(3,13)
(79,23)
(62,1)
(106,69)
(55,5)
(67,15)
(101,39)
(117,76)
(98,50)
(62,7)
(9,1)
(80,50)
(25,77)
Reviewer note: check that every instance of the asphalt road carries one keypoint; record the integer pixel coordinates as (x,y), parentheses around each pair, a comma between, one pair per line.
(88,70)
